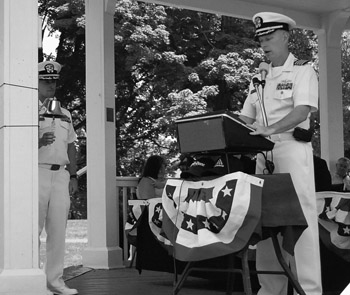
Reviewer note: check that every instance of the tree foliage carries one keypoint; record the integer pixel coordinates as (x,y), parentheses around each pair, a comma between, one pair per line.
(346,89)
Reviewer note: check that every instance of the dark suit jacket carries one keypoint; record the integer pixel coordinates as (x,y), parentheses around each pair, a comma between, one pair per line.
(323,178)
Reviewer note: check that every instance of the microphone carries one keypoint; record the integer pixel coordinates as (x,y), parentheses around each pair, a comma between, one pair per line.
(263,69)
(256,82)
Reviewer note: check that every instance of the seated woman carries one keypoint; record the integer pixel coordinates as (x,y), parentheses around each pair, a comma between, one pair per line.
(152,179)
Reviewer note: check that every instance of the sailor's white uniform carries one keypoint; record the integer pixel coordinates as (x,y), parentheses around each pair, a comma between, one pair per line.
(54,199)
(293,84)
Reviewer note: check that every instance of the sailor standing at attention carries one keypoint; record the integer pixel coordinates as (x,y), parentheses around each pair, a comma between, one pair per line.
(57,176)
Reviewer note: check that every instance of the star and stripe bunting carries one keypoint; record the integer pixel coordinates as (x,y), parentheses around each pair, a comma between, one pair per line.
(155,216)
(336,220)
(210,218)
(136,209)
(196,220)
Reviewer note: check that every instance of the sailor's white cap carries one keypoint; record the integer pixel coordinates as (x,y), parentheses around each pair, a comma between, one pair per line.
(268,22)
(49,70)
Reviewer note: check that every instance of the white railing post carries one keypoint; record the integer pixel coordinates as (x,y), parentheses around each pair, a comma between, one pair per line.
(128,187)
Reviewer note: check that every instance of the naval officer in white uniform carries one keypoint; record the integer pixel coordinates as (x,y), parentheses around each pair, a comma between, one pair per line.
(290,94)
(57,177)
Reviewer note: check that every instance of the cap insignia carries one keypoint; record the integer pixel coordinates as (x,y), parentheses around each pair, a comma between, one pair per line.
(49,68)
(258,22)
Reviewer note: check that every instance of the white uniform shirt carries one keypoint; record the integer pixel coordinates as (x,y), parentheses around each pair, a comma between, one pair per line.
(56,153)
(285,88)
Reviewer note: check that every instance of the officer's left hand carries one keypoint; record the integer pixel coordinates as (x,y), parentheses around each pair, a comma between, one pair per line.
(73,186)
(260,130)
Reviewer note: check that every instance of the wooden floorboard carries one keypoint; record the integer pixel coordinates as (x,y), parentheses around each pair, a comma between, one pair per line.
(128,281)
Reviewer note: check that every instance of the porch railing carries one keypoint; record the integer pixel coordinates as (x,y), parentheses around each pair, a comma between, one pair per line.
(126,190)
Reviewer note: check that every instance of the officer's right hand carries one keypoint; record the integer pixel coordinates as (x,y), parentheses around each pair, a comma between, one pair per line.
(47,139)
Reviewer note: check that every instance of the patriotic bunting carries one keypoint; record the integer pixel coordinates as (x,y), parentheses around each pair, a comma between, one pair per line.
(155,215)
(210,218)
(198,220)
(135,210)
(336,219)
(341,237)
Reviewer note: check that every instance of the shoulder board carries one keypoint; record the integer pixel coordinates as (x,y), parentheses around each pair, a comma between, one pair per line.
(66,119)
(300,62)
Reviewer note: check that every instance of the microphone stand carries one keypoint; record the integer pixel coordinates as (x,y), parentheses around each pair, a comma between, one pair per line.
(256,83)
(269,165)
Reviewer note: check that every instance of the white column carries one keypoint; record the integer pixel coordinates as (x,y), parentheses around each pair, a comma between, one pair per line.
(103,249)
(19,270)
(331,106)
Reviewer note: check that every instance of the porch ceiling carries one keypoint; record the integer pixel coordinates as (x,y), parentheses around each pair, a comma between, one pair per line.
(307,13)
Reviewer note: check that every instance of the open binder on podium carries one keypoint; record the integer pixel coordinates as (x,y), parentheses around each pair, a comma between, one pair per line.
(220,131)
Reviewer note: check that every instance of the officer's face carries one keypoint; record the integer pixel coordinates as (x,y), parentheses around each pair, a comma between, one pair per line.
(275,46)
(47,88)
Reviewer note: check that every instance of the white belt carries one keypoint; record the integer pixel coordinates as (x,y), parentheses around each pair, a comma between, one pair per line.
(282,136)
(53,167)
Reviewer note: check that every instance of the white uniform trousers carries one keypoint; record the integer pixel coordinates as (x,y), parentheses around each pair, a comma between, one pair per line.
(54,203)
(294,157)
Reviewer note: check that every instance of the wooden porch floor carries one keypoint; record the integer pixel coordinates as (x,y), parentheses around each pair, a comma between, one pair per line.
(127,281)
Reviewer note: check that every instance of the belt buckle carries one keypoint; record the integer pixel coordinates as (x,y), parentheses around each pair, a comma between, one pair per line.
(55,167)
